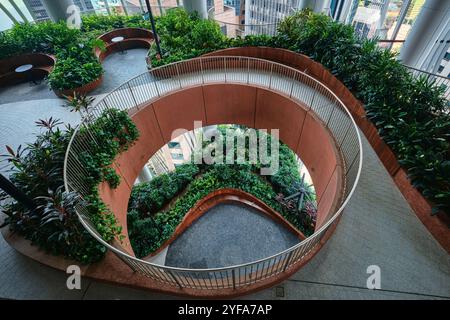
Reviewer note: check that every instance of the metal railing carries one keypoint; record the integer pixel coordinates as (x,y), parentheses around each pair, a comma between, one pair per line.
(435,79)
(284,80)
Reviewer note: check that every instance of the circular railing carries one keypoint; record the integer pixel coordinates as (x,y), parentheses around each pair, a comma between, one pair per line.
(161,81)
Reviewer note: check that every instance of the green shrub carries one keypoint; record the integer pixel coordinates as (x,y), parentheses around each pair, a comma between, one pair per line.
(149,227)
(184,35)
(410,114)
(76,64)
(151,196)
(53,225)
(149,233)
(38,172)
(101,24)
(47,37)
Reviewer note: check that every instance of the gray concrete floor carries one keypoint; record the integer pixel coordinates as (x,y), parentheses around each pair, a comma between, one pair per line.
(226,235)
(26,91)
(118,68)
(377,228)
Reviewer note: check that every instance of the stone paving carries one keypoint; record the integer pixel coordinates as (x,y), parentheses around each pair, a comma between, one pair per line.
(226,235)
(377,228)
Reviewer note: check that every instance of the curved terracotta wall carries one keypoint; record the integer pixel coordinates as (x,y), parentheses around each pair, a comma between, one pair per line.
(437,225)
(42,63)
(251,106)
(133,38)
(226,195)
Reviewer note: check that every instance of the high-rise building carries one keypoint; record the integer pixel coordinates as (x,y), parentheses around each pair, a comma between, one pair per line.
(366,21)
(173,154)
(368,17)
(263,15)
(236,4)
(38,11)
(427,43)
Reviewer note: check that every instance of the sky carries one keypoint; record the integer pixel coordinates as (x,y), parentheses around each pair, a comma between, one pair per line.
(5,22)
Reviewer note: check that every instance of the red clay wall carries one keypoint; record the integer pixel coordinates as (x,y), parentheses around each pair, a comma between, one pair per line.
(226,195)
(223,104)
(437,225)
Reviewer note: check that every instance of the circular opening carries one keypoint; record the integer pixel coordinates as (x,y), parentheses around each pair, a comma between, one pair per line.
(208,83)
(199,162)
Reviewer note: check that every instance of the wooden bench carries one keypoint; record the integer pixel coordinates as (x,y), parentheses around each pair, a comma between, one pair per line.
(133,38)
(42,63)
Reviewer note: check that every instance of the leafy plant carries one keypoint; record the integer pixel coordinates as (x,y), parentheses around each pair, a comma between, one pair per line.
(79,102)
(76,66)
(150,223)
(410,114)
(38,172)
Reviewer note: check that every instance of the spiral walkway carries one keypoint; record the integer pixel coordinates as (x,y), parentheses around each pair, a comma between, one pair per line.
(378,228)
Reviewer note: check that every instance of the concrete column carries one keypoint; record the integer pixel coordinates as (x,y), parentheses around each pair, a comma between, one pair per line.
(428,33)
(315,5)
(345,9)
(145,174)
(57,9)
(16,7)
(196,5)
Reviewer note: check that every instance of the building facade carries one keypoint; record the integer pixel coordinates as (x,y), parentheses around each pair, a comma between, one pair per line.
(39,12)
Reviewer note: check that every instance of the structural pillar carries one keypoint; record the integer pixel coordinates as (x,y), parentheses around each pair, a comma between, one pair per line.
(315,5)
(145,174)
(196,5)
(57,9)
(428,36)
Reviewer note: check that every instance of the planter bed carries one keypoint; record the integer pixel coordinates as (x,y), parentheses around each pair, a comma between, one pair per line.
(437,225)
(81,90)
(133,38)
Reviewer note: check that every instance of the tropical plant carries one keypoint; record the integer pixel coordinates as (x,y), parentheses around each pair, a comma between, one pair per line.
(37,170)
(157,207)
(76,66)
(79,102)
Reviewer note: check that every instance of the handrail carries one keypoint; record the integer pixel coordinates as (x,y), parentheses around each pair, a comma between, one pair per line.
(390,41)
(288,81)
(436,79)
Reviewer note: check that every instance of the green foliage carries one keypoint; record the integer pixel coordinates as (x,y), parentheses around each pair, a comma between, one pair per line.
(107,136)
(150,197)
(79,102)
(143,233)
(104,23)
(149,227)
(162,224)
(76,64)
(184,35)
(38,172)
(408,112)
(47,37)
